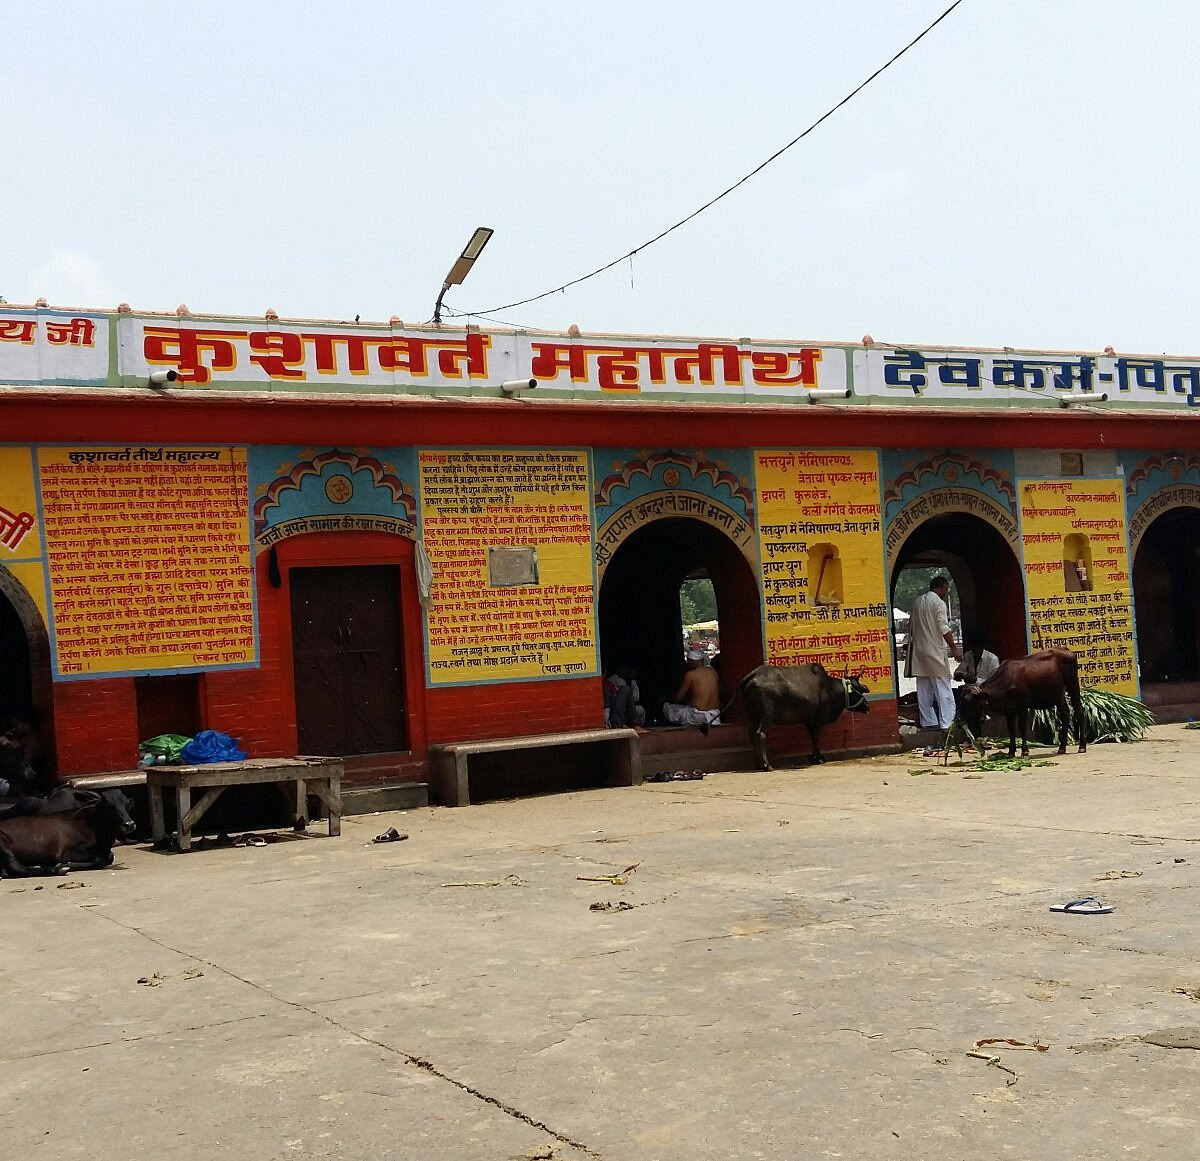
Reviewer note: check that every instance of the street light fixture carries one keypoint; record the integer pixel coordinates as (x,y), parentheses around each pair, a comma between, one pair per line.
(462,265)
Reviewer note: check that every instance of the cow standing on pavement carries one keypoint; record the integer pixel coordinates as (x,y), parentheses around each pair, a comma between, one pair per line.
(1042,680)
(794,694)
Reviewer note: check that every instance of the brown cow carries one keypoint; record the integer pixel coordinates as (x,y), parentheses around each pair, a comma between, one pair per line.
(790,694)
(1040,681)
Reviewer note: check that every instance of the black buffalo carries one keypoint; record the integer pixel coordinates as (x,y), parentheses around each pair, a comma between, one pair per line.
(794,694)
(79,839)
(1042,680)
(63,799)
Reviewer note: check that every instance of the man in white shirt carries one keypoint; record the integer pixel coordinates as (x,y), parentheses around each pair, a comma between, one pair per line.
(930,642)
(978,664)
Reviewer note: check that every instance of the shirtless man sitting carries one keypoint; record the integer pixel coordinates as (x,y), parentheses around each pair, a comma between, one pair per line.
(698,700)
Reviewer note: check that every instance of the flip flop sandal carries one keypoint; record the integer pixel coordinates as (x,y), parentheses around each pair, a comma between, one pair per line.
(1089,906)
(391,835)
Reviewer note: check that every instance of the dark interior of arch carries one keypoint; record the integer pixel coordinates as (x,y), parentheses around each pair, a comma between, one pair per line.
(640,620)
(986,573)
(16,678)
(25,678)
(1166,573)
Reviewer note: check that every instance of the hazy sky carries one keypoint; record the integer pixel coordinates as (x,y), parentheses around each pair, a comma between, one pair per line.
(1025,176)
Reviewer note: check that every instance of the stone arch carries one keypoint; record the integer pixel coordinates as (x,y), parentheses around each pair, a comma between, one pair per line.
(25,668)
(949,501)
(638,604)
(1163,535)
(1159,504)
(633,516)
(984,561)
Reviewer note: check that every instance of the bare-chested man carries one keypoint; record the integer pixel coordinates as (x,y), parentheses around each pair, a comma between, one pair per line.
(699,698)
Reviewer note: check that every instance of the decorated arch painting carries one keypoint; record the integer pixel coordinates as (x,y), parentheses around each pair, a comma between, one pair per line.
(636,487)
(922,487)
(300,490)
(1155,484)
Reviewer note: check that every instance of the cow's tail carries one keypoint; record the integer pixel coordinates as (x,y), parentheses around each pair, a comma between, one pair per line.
(729,704)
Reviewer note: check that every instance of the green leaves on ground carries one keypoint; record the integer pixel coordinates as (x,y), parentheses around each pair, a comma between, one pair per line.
(1110,717)
(1010,763)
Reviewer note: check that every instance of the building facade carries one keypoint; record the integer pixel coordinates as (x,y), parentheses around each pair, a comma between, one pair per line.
(370,539)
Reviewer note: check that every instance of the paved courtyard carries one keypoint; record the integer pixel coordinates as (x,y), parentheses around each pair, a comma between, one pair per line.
(806,960)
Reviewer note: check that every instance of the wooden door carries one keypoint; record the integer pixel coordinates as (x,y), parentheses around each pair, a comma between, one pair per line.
(348,654)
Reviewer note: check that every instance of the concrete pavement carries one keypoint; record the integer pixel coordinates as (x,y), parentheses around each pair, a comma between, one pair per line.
(808,958)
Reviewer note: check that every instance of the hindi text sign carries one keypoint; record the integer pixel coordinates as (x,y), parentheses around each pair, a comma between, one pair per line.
(1077,577)
(821,550)
(482,626)
(149,558)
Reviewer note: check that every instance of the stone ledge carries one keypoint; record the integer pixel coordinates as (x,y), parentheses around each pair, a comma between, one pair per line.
(372,799)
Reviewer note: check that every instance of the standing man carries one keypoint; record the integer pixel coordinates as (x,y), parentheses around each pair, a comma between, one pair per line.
(929,642)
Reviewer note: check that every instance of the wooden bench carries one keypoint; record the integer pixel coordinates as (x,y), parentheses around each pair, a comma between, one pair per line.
(450,763)
(323,776)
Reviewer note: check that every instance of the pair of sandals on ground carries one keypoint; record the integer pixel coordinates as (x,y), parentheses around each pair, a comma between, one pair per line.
(676,776)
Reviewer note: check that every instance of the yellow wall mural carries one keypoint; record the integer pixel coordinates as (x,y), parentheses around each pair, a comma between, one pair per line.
(19,537)
(20,534)
(825,595)
(1077,573)
(509,534)
(149,556)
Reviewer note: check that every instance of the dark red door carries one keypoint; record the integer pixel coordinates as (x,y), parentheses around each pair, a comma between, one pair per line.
(349,659)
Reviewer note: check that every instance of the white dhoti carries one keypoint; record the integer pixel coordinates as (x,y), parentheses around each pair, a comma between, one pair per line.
(686,715)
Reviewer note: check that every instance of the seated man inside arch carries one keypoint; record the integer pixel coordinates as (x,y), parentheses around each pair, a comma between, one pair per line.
(698,699)
(622,698)
(978,662)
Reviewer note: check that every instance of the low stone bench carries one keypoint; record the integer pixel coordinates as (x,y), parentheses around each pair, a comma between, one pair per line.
(450,763)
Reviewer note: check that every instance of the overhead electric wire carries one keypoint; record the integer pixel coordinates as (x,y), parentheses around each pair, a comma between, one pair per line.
(468,315)
(725,192)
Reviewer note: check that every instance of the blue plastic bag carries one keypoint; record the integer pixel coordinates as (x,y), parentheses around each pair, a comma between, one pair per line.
(211,746)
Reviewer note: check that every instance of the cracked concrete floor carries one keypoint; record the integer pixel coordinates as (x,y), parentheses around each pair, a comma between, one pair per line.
(809,957)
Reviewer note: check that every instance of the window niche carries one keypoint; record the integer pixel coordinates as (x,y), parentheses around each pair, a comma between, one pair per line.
(1077,563)
(825,575)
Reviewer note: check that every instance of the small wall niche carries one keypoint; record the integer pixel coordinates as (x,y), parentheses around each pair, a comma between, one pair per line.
(1077,563)
(825,575)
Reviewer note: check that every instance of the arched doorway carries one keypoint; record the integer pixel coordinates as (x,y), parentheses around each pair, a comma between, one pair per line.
(640,620)
(25,679)
(986,575)
(1166,576)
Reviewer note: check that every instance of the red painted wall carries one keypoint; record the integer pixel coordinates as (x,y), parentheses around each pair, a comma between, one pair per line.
(96,720)
(469,712)
(79,415)
(95,725)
